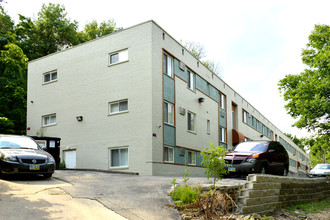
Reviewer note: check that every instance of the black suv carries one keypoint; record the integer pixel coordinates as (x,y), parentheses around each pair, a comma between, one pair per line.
(258,157)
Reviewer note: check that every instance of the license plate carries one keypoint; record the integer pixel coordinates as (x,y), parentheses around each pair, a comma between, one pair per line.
(231,169)
(34,167)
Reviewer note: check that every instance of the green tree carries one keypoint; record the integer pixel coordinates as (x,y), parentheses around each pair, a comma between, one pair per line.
(299,142)
(213,162)
(6,29)
(308,93)
(13,65)
(51,32)
(94,30)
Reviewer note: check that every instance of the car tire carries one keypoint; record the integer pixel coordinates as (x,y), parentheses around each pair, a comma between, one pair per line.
(285,172)
(47,175)
(263,169)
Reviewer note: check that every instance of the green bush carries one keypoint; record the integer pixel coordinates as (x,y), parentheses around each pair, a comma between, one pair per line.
(184,195)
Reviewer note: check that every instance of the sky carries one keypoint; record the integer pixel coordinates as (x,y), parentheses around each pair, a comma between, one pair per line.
(256,42)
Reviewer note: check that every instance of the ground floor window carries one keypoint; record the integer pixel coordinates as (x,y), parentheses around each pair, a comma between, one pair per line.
(191,157)
(119,157)
(222,135)
(169,154)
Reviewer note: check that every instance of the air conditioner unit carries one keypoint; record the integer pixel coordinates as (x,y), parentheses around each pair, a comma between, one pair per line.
(182,66)
(182,111)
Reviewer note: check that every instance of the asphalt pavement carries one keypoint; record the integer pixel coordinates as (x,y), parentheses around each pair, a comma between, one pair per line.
(130,196)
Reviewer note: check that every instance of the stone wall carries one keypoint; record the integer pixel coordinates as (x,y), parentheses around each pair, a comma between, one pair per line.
(264,194)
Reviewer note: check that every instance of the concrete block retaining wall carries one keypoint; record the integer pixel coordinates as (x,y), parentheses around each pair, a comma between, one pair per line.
(264,194)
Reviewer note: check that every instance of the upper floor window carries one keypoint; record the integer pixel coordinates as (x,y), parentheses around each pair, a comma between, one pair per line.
(168,65)
(191,121)
(191,80)
(222,100)
(118,57)
(50,77)
(48,120)
(118,107)
(168,113)
(245,116)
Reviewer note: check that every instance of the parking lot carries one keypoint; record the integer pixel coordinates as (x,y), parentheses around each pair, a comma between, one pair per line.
(114,195)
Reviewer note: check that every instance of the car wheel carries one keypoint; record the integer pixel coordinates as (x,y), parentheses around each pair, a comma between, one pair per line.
(263,169)
(285,172)
(47,175)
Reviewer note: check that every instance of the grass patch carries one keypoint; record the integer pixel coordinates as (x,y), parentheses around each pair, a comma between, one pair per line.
(184,195)
(307,208)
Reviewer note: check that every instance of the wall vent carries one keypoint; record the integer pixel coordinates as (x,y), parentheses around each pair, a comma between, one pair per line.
(182,151)
(182,111)
(222,114)
(182,66)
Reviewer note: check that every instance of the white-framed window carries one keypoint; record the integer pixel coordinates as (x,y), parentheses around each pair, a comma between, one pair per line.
(191,80)
(222,135)
(222,100)
(168,113)
(169,154)
(118,157)
(191,121)
(168,65)
(118,57)
(118,107)
(208,126)
(50,77)
(48,120)
(191,158)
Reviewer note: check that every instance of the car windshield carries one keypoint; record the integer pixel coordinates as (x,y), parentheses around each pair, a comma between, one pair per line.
(322,166)
(252,146)
(10,142)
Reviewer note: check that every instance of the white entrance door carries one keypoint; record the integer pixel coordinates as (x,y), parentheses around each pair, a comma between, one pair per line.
(70,159)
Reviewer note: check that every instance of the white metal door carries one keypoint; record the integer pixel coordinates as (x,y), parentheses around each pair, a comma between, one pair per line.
(70,159)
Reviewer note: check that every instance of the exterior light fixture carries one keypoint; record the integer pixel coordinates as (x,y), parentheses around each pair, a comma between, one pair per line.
(261,135)
(79,118)
(200,100)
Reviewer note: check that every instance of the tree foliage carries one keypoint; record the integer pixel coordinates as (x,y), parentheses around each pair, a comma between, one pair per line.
(213,162)
(51,32)
(93,30)
(198,51)
(308,93)
(13,65)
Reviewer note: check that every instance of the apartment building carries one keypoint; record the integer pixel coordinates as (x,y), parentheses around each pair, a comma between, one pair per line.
(138,101)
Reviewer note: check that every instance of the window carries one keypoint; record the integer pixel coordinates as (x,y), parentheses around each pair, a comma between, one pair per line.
(222,135)
(191,157)
(222,101)
(48,120)
(168,113)
(245,116)
(208,127)
(118,107)
(118,57)
(169,154)
(50,77)
(168,65)
(191,121)
(119,157)
(191,80)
